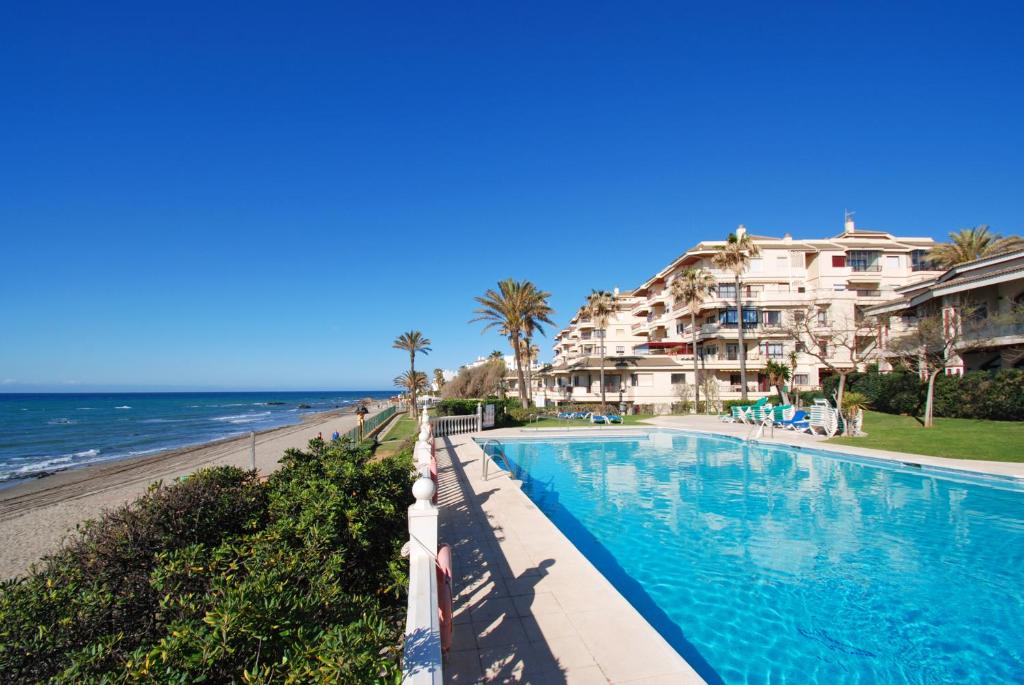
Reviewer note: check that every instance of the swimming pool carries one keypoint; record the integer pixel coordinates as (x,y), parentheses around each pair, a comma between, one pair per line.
(768,564)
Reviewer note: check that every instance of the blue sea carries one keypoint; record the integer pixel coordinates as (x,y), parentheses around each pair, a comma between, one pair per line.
(43,433)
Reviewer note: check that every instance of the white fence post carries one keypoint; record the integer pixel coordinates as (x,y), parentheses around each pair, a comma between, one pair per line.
(422,653)
(479,416)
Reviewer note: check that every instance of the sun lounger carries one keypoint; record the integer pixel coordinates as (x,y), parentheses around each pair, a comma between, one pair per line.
(614,418)
(598,418)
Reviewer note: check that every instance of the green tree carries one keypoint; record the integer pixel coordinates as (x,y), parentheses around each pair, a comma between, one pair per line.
(969,244)
(412,382)
(412,342)
(515,308)
(600,306)
(735,256)
(692,287)
(536,311)
(439,379)
(778,375)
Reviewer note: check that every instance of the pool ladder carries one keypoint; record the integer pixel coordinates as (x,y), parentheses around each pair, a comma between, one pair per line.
(499,453)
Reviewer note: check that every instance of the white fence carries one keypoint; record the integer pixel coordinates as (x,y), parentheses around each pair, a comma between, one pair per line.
(454,425)
(422,653)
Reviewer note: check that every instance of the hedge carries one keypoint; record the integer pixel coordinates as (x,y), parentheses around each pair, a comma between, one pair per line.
(221,578)
(995,395)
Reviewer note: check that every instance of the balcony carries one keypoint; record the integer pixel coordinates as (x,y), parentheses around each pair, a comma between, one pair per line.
(868,293)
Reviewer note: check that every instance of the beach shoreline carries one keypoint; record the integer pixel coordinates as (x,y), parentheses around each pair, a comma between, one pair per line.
(37,514)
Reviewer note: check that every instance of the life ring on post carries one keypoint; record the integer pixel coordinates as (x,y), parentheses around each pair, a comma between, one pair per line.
(444,595)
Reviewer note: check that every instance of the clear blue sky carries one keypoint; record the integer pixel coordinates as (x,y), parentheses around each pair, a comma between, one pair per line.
(252,195)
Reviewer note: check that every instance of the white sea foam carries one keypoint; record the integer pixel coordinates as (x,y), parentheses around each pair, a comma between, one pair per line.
(62,422)
(242,418)
(124,407)
(44,464)
(86,453)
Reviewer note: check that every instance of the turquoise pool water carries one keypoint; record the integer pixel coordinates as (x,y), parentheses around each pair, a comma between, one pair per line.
(771,565)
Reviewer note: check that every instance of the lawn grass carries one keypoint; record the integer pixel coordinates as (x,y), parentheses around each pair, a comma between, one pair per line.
(404,428)
(955,438)
(628,420)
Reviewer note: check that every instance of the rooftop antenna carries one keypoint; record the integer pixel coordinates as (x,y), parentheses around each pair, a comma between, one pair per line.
(848,225)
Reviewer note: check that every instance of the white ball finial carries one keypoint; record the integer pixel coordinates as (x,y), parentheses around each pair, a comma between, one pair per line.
(423,490)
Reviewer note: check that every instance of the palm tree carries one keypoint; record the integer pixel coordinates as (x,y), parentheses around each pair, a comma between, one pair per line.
(439,379)
(735,256)
(412,382)
(778,375)
(969,244)
(412,342)
(692,287)
(535,312)
(600,305)
(515,308)
(496,355)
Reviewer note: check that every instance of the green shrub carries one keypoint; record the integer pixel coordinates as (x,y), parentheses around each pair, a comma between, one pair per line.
(220,578)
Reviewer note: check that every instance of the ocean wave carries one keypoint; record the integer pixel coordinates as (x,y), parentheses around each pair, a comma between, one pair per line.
(242,418)
(164,420)
(61,422)
(45,464)
(86,408)
(123,407)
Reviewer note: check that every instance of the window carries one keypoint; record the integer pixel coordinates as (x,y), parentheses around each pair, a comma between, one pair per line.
(620,349)
(773,350)
(918,262)
(864,260)
(823,347)
(734,379)
(800,347)
(680,328)
(838,261)
(839,287)
(611,383)
(727,290)
(620,332)
(587,349)
(732,351)
(801,289)
(678,379)
(581,380)
(800,379)
(822,317)
(708,351)
(772,318)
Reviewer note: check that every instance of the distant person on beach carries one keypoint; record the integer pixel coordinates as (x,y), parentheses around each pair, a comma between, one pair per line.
(336,435)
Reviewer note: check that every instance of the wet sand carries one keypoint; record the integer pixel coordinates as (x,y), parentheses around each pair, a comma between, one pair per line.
(36,515)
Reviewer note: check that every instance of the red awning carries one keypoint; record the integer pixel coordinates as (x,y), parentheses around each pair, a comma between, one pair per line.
(666,345)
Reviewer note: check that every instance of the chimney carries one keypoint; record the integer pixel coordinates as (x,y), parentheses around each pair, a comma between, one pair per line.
(848,225)
(741,230)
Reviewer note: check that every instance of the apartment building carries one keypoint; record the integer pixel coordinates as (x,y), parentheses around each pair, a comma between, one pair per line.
(991,290)
(648,346)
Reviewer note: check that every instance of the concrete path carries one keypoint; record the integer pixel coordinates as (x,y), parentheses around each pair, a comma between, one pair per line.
(529,607)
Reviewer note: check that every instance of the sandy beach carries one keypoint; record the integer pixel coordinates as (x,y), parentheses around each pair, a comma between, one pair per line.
(35,516)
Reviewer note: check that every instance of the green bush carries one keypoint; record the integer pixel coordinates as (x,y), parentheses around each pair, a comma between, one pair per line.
(995,395)
(221,578)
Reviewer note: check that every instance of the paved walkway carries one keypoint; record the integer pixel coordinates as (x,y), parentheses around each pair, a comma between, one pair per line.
(529,607)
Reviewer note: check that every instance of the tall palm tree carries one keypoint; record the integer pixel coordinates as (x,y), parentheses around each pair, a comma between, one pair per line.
(536,311)
(412,342)
(412,382)
(600,305)
(735,256)
(969,244)
(692,287)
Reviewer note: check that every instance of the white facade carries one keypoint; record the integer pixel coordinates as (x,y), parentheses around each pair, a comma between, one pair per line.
(648,342)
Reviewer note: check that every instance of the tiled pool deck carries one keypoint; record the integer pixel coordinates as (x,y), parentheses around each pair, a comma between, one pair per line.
(529,607)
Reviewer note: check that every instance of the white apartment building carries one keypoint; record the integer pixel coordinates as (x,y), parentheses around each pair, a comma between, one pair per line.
(648,348)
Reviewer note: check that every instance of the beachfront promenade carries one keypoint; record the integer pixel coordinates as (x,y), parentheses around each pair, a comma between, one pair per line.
(35,516)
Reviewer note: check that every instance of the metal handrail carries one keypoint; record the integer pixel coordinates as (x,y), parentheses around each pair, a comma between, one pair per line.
(487,457)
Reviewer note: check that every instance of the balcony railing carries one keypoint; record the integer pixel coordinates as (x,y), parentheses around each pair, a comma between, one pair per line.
(869,293)
(857,265)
